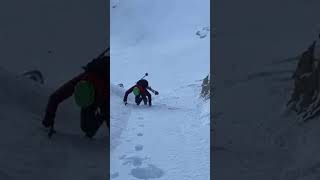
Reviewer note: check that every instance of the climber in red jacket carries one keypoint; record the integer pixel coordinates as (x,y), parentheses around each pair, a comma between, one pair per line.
(140,90)
(97,74)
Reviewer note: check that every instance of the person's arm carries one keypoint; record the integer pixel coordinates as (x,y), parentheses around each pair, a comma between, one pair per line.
(62,93)
(152,90)
(127,93)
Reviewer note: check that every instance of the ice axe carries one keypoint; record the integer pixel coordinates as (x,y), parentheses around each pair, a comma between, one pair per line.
(152,90)
(146,74)
(104,52)
(97,58)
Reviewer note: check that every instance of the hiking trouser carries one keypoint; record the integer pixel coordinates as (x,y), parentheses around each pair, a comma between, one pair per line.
(92,118)
(141,97)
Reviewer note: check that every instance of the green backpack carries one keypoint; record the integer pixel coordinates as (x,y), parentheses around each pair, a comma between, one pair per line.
(84,94)
(136,91)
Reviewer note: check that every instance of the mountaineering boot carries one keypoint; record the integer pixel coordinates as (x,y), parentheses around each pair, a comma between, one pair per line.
(138,100)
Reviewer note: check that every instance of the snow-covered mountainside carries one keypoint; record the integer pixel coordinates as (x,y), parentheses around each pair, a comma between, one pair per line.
(56,38)
(170,40)
(26,151)
(255,136)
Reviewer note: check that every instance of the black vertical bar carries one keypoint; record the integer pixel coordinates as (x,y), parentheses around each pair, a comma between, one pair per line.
(108,79)
(212,78)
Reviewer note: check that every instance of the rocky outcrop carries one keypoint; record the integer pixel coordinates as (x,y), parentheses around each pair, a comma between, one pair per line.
(204,32)
(205,90)
(305,97)
(35,75)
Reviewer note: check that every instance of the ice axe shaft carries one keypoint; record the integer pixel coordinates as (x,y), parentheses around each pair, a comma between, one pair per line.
(152,90)
(102,54)
(146,74)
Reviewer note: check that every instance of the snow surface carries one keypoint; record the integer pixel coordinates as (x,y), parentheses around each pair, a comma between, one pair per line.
(169,40)
(26,151)
(57,38)
(254,136)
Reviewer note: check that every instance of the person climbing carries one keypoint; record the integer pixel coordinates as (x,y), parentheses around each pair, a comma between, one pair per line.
(91,92)
(140,90)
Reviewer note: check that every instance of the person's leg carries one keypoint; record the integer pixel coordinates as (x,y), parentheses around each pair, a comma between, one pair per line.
(144,98)
(104,114)
(138,99)
(90,121)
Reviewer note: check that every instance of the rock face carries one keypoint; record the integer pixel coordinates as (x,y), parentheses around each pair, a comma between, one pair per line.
(305,96)
(202,33)
(205,91)
(35,75)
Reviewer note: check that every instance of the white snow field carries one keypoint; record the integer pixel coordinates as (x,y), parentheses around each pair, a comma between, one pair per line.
(171,139)
(57,38)
(254,136)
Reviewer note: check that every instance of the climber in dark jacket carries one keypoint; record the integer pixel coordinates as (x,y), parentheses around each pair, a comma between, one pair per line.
(141,92)
(97,73)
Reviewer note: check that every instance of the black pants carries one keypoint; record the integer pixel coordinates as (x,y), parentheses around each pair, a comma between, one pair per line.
(92,118)
(141,97)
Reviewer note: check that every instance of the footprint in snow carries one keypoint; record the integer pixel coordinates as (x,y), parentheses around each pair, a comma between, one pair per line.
(138,147)
(140,134)
(134,160)
(141,118)
(141,125)
(149,172)
(114,175)
(173,108)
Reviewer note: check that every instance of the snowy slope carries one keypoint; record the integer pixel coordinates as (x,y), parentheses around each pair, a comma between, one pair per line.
(26,151)
(255,137)
(169,140)
(57,38)
(168,41)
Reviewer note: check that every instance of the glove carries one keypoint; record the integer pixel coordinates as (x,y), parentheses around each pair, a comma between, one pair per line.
(156,92)
(48,121)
